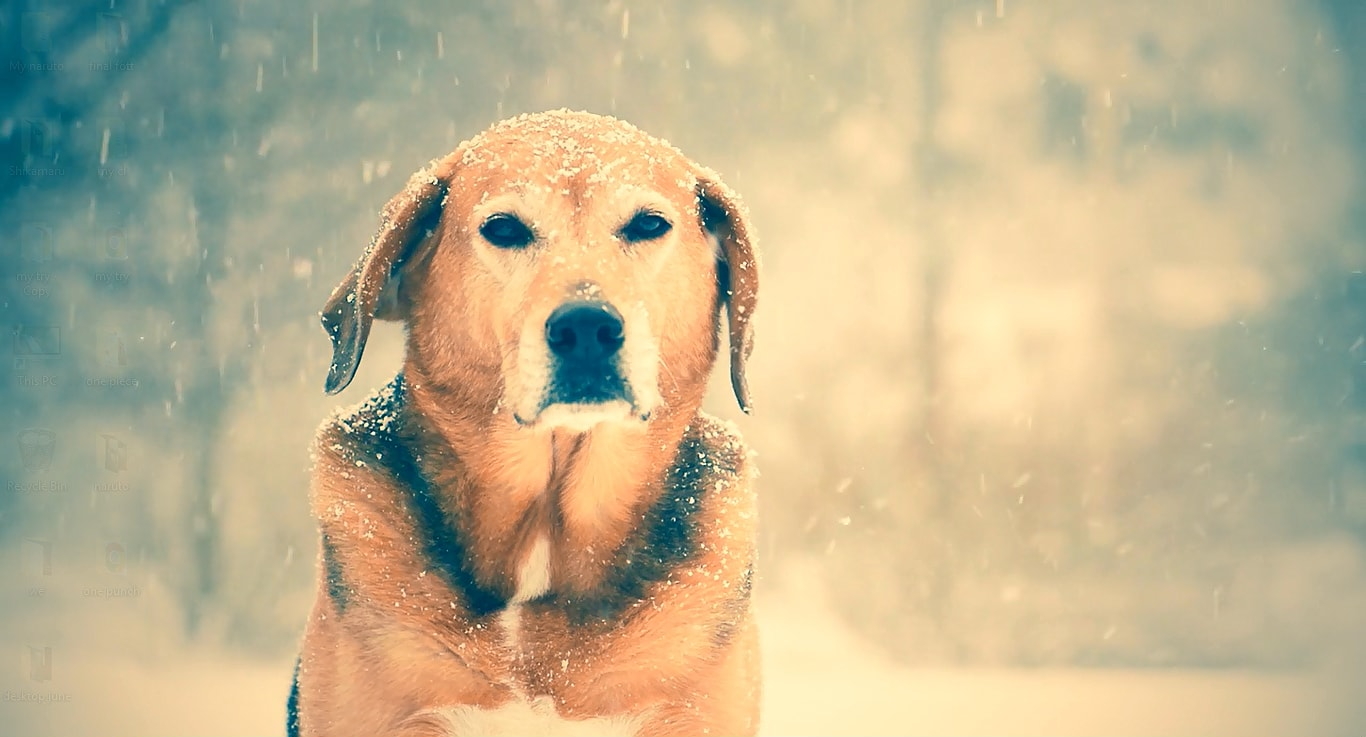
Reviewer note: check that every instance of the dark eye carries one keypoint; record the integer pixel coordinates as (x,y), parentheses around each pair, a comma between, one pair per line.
(645,226)
(506,231)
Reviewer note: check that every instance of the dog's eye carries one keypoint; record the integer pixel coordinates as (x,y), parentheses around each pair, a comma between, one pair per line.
(645,226)
(506,231)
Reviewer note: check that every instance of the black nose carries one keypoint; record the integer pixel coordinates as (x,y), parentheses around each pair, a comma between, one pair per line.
(584,332)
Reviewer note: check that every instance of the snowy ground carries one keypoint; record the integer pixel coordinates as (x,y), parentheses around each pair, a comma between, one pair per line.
(820,681)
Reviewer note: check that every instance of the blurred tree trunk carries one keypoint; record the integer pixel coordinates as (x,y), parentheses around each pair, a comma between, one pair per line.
(217,370)
(928,574)
(205,403)
(1349,20)
(928,156)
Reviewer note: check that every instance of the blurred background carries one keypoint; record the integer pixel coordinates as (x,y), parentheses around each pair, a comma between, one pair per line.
(1060,370)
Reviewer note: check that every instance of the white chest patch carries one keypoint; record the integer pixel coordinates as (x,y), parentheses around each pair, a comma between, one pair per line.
(520,717)
(533,577)
(523,715)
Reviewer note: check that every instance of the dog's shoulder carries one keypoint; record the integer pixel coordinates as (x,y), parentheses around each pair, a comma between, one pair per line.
(712,451)
(350,433)
(713,479)
(351,446)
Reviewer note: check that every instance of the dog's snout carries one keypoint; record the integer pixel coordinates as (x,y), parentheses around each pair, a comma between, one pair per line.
(584,332)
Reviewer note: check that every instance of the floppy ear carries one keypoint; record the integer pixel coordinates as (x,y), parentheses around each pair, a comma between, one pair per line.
(737,270)
(369,291)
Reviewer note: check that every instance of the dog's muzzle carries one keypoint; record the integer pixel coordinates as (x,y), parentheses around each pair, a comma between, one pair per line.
(585,339)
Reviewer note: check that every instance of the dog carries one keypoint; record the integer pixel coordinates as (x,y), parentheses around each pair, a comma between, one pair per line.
(534,529)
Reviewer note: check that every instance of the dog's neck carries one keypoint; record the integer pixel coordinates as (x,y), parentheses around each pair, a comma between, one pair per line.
(509,490)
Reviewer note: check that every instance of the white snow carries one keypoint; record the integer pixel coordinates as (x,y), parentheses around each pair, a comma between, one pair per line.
(819,680)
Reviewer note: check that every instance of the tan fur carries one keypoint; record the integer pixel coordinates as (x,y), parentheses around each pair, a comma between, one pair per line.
(394,638)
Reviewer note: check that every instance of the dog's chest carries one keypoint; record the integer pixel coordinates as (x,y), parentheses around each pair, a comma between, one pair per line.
(532,580)
(533,574)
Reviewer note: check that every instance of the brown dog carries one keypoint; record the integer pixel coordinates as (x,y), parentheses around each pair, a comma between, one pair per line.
(534,529)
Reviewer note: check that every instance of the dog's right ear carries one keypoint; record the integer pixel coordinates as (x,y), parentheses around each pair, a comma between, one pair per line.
(369,290)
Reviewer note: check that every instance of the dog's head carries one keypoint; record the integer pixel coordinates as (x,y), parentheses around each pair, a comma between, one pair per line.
(577,260)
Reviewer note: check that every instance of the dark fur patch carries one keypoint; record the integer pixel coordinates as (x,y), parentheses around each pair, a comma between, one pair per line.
(292,706)
(670,536)
(336,585)
(388,443)
(384,435)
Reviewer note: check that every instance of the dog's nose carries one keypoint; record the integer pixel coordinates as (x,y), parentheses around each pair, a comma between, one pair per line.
(584,332)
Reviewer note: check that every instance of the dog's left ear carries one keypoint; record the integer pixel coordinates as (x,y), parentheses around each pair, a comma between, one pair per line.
(370,290)
(724,216)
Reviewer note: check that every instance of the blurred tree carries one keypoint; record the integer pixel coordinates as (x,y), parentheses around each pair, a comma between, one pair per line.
(130,145)
(1122,182)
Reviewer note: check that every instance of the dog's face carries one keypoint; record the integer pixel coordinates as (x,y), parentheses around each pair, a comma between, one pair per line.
(576,259)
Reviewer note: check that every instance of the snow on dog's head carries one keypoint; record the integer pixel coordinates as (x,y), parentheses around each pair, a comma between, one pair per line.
(569,263)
